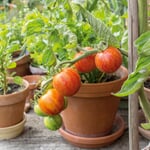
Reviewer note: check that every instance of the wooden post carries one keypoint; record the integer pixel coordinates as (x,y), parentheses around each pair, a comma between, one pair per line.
(132,56)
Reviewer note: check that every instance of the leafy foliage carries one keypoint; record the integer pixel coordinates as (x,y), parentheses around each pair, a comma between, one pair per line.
(142,70)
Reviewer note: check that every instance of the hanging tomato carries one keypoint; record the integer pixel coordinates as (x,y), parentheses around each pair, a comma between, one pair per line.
(67,82)
(52,102)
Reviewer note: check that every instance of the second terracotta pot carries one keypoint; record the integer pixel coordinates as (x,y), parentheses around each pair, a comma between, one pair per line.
(91,111)
(12,106)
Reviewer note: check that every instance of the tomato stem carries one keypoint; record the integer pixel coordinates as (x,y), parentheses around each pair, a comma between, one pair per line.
(102,75)
(85,54)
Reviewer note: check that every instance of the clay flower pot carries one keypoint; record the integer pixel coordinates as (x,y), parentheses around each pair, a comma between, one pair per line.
(12,131)
(12,106)
(92,110)
(33,81)
(145,133)
(22,65)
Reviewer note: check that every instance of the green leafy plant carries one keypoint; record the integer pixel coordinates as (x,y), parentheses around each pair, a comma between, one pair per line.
(6,50)
(136,79)
(58,30)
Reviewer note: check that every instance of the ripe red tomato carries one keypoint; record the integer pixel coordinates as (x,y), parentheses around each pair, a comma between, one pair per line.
(67,82)
(52,102)
(86,64)
(109,60)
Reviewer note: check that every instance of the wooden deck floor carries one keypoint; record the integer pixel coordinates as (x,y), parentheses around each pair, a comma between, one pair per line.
(37,137)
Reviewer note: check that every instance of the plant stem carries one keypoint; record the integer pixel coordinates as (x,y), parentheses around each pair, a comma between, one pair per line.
(4,78)
(144,103)
(102,75)
(71,62)
(142,9)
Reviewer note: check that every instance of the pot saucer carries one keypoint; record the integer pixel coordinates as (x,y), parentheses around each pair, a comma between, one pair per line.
(12,131)
(95,142)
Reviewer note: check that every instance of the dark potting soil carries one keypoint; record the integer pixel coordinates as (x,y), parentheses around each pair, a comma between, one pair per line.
(12,87)
(147,84)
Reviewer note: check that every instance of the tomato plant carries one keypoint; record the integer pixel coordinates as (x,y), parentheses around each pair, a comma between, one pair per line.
(53,122)
(67,82)
(52,102)
(108,60)
(86,64)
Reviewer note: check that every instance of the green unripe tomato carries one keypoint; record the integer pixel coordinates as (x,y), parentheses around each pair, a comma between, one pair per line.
(53,122)
(38,110)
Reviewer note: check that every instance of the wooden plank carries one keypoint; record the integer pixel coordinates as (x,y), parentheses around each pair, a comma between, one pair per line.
(132,53)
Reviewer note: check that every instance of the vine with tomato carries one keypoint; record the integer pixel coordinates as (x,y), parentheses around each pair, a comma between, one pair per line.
(89,64)
(67,80)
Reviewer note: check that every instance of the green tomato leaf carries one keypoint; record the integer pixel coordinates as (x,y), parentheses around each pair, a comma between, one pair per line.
(33,26)
(100,28)
(49,58)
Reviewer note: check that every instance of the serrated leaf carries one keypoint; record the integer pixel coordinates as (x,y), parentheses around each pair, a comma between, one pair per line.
(145,126)
(100,28)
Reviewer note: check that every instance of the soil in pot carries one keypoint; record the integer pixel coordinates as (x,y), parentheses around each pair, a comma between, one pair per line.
(147,88)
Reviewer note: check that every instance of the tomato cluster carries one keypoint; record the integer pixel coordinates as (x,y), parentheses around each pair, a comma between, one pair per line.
(68,82)
(107,61)
(65,83)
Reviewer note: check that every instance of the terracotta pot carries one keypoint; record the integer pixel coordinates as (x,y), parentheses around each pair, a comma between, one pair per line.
(12,131)
(22,65)
(33,81)
(12,106)
(147,92)
(143,132)
(94,142)
(92,110)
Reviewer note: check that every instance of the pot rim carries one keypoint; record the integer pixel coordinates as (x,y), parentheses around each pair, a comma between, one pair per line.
(15,93)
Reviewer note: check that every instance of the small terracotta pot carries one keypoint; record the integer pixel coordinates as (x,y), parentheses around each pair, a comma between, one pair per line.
(91,111)
(33,81)
(12,131)
(143,132)
(147,92)
(12,106)
(22,65)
